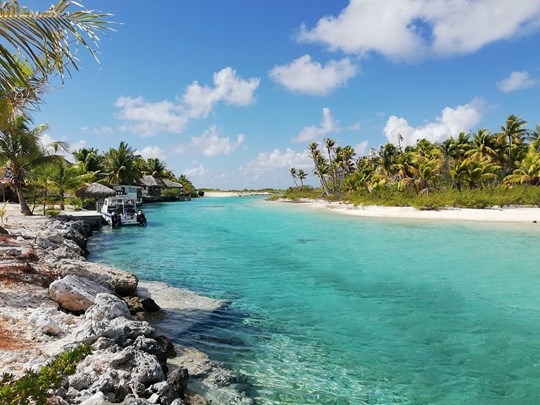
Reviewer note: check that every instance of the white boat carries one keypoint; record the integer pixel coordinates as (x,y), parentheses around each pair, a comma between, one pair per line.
(121,210)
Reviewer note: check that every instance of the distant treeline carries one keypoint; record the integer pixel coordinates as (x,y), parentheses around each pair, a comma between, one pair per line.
(465,165)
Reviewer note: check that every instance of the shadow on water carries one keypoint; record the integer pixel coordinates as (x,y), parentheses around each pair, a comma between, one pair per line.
(215,333)
(304,241)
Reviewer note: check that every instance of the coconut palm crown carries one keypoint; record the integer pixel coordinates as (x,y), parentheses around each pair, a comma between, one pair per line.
(44,41)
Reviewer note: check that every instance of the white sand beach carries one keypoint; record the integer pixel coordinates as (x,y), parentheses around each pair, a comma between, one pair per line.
(213,194)
(511,214)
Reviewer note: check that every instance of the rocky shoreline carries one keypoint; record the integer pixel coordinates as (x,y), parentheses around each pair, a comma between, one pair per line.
(52,300)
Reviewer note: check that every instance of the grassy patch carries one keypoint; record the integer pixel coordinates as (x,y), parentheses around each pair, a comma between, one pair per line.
(35,387)
(440,199)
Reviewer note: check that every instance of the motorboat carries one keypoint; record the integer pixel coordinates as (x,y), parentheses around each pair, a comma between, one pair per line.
(121,210)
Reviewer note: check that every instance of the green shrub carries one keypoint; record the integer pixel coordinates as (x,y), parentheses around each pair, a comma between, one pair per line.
(75,202)
(296,193)
(35,387)
(52,212)
(171,192)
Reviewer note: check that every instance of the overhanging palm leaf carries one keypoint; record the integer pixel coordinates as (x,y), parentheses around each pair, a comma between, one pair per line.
(44,40)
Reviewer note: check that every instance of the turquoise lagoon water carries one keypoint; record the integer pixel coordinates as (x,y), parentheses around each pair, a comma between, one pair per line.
(331,309)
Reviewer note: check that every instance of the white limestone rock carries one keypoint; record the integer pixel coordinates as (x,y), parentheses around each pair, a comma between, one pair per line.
(122,282)
(43,318)
(75,293)
(107,307)
(97,399)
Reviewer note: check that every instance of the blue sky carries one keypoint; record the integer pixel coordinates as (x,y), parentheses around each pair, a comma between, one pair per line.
(231,92)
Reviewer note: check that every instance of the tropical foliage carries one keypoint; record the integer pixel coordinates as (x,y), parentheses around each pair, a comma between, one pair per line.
(121,165)
(475,165)
(44,42)
(34,46)
(21,151)
(35,387)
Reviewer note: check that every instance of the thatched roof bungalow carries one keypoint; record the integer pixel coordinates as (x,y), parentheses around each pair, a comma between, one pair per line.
(151,186)
(96,191)
(172,184)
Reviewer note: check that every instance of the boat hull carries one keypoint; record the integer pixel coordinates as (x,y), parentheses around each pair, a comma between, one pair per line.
(123,221)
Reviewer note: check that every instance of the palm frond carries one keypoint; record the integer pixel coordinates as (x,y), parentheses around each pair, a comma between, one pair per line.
(45,40)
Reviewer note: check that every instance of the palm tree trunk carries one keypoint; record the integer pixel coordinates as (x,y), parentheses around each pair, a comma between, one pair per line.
(25,209)
(324,184)
(44,199)
(62,206)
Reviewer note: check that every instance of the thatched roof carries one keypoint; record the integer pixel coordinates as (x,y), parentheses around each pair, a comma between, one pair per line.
(96,191)
(150,181)
(172,184)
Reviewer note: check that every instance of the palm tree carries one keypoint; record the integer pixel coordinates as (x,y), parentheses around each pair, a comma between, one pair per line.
(156,168)
(186,183)
(66,177)
(388,153)
(322,171)
(514,131)
(121,165)
(483,145)
(294,174)
(528,171)
(302,176)
(321,165)
(20,151)
(39,43)
(475,172)
(463,144)
(534,135)
(89,159)
(346,155)
(330,145)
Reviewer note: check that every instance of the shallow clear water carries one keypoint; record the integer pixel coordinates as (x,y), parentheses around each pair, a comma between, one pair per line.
(331,309)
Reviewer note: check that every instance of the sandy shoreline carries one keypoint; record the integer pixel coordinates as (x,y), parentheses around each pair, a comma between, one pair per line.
(218,194)
(512,214)
(506,214)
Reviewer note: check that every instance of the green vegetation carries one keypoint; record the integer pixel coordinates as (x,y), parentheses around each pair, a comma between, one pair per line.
(35,387)
(3,210)
(36,45)
(21,151)
(471,170)
(121,165)
(171,192)
(297,193)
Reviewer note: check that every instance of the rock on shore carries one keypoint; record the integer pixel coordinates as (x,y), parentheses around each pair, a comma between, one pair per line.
(52,299)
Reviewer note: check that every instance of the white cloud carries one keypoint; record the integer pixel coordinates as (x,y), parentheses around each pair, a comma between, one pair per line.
(228,87)
(151,152)
(149,118)
(411,29)
(306,76)
(268,161)
(146,118)
(104,130)
(361,149)
(516,81)
(210,143)
(46,140)
(195,171)
(451,122)
(312,133)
